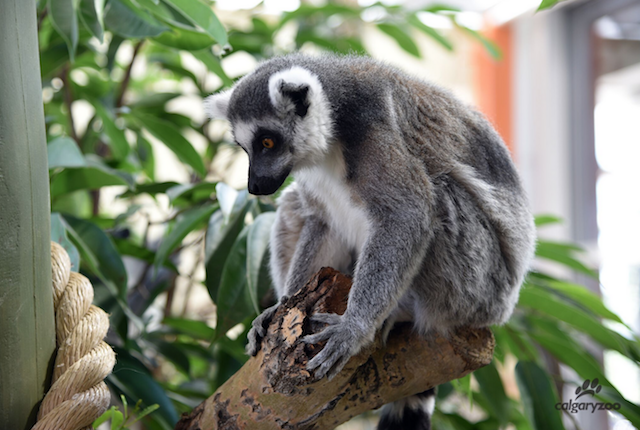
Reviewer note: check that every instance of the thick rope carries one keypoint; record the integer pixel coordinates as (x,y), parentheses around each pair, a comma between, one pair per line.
(78,394)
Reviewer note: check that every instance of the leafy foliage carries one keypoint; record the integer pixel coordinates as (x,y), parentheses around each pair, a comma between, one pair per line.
(124,420)
(548,4)
(89,53)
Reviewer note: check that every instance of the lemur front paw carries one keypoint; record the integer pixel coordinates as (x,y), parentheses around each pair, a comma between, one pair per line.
(259,328)
(343,342)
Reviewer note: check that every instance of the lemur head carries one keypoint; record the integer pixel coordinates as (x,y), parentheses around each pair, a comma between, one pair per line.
(280,117)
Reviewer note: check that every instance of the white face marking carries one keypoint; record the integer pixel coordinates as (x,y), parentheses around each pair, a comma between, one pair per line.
(314,131)
(243,133)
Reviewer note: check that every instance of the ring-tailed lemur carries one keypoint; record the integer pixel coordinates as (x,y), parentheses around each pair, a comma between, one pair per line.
(394,178)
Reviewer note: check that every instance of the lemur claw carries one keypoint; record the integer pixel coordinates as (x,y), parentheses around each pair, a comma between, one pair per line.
(342,344)
(259,328)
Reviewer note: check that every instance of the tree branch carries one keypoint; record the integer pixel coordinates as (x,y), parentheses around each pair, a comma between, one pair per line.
(127,75)
(275,391)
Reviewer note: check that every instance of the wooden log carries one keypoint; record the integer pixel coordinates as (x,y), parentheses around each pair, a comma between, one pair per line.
(275,391)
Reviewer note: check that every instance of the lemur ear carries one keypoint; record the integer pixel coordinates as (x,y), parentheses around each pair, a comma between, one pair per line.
(292,90)
(217,105)
(298,94)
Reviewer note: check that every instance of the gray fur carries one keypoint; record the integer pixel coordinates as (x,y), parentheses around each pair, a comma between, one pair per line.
(395,178)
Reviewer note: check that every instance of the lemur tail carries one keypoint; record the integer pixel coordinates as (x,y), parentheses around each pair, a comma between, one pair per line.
(411,413)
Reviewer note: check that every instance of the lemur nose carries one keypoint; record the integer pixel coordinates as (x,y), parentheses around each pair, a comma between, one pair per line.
(254,188)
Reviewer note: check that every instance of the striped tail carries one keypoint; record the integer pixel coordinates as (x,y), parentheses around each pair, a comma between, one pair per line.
(411,413)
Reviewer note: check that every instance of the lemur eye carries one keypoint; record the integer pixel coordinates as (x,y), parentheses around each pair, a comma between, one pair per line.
(268,142)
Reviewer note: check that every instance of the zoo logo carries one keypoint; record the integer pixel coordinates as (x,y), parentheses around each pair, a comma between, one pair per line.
(587,388)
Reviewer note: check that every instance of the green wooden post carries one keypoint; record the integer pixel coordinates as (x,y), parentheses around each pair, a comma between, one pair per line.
(27,337)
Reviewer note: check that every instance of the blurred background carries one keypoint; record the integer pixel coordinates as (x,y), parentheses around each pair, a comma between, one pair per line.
(148,195)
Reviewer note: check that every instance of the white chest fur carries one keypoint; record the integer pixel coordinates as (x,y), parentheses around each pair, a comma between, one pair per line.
(347,218)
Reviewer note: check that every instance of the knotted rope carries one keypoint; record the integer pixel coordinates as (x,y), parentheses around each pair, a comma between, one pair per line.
(78,394)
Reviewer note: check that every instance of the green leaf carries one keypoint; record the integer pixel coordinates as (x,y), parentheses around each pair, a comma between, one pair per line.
(227,366)
(100,262)
(185,223)
(545,303)
(196,329)
(586,298)
(451,421)
(562,253)
(107,259)
(546,219)
(517,342)
(114,46)
(230,200)
(64,152)
(174,354)
(116,420)
(233,303)
(214,65)
(463,386)
(155,100)
(489,45)
(125,405)
(96,175)
(154,7)
(59,235)
(144,151)
(174,65)
(440,8)
(133,379)
(560,247)
(104,417)
(235,348)
(201,15)
(189,194)
(92,16)
(429,31)
(152,189)
(170,135)
(257,247)
(117,140)
(182,38)
(556,341)
(54,57)
(538,397)
(547,4)
(629,410)
(127,20)
(143,413)
(221,235)
(493,391)
(65,21)
(401,37)
(126,247)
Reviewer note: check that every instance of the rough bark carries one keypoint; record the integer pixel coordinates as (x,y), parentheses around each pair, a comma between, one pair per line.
(275,391)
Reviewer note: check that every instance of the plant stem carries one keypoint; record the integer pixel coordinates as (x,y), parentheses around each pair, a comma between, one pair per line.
(127,75)
(169,303)
(41,17)
(68,100)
